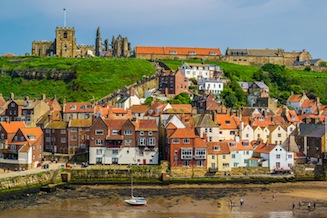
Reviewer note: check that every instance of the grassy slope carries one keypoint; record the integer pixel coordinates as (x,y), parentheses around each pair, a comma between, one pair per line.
(308,81)
(95,77)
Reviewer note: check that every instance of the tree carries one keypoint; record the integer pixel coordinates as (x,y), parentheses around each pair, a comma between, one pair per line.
(307,68)
(148,100)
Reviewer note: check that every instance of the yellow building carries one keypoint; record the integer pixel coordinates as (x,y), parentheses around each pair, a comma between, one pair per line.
(218,159)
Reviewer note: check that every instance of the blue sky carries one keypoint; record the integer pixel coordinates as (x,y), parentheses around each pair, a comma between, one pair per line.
(288,24)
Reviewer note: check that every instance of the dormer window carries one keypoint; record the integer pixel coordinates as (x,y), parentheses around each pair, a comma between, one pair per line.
(73,107)
(216,148)
(31,137)
(83,107)
(232,144)
(213,53)
(173,52)
(245,143)
(227,122)
(192,53)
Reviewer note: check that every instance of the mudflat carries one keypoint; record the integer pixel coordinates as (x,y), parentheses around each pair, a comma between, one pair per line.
(178,199)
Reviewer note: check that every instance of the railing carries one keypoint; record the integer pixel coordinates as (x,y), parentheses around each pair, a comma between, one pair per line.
(188,157)
(212,170)
(199,156)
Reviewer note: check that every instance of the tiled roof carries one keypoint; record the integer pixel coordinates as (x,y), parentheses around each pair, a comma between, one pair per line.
(239,146)
(36,131)
(307,103)
(12,127)
(223,148)
(56,125)
(187,107)
(25,147)
(80,123)
(148,125)
(178,50)
(299,155)
(183,133)
(116,124)
(200,143)
(264,148)
(139,108)
(295,98)
(176,111)
(78,107)
(225,121)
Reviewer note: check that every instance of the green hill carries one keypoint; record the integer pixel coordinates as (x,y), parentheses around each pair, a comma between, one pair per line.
(281,87)
(70,78)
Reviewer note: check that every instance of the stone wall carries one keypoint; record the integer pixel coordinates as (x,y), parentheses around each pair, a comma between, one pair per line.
(26,180)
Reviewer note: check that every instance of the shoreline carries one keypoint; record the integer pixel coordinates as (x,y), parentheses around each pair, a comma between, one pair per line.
(187,198)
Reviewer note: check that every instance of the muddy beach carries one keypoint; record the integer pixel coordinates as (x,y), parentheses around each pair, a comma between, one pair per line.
(206,199)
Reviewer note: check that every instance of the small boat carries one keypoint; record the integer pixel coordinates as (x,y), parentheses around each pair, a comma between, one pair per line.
(135,201)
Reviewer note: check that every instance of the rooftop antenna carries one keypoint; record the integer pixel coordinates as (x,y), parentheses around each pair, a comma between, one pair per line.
(65,17)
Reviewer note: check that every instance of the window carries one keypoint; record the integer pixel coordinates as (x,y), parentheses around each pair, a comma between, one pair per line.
(114,132)
(150,133)
(232,144)
(213,53)
(279,135)
(224,157)
(98,160)
(186,141)
(277,164)
(209,138)
(99,132)
(175,141)
(277,156)
(246,161)
(290,156)
(1,145)
(227,122)
(212,157)
(73,138)
(235,164)
(99,142)
(141,133)
(128,142)
(141,153)
(152,141)
(173,52)
(65,35)
(47,139)
(210,129)
(233,156)
(192,53)
(186,163)
(216,148)
(142,141)
(12,104)
(225,165)
(232,133)
(127,132)
(63,131)
(114,151)
(200,163)
(63,140)
(13,147)
(73,130)
(98,151)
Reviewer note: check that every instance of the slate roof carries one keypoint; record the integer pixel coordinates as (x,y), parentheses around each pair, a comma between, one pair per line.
(312,130)
(204,120)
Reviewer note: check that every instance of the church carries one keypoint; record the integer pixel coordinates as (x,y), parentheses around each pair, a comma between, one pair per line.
(65,45)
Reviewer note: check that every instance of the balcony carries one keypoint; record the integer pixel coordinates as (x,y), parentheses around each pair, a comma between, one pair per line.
(200,157)
(186,157)
(114,144)
(212,170)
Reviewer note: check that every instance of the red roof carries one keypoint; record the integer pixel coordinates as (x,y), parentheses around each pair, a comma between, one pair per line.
(264,148)
(237,146)
(223,148)
(148,125)
(307,103)
(225,121)
(295,98)
(176,50)
(12,127)
(183,133)
(79,107)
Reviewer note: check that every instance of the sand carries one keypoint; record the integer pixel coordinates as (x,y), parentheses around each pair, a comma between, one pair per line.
(259,200)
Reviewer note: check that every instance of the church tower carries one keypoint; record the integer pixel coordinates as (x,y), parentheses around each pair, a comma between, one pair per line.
(65,42)
(98,43)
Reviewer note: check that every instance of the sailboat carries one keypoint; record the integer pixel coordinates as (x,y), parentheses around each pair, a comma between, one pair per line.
(135,201)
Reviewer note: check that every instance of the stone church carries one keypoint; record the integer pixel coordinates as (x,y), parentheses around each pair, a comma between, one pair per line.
(65,45)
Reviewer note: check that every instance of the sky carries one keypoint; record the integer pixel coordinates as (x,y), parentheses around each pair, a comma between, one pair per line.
(287,24)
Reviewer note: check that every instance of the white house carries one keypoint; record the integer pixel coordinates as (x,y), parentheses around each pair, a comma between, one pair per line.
(246,132)
(191,70)
(128,100)
(213,85)
(274,156)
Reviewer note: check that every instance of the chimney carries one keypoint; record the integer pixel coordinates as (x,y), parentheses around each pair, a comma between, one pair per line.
(12,96)
(43,96)
(132,91)
(204,137)
(237,139)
